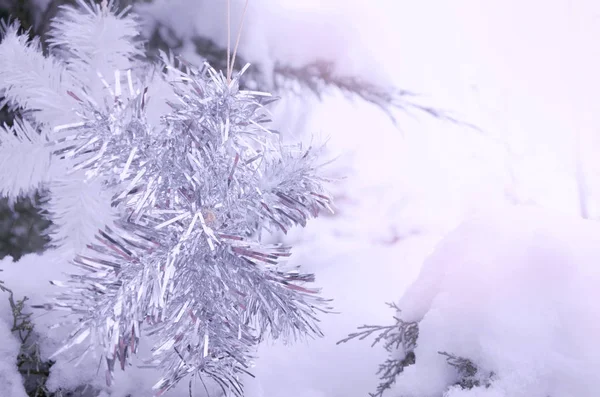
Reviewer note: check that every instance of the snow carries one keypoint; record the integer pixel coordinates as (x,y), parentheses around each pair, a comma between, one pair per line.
(11,383)
(515,291)
(518,301)
(528,86)
(359,279)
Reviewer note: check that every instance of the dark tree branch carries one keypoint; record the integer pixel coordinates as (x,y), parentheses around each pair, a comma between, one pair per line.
(317,77)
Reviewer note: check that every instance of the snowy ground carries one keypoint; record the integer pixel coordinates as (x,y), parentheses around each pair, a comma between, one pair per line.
(513,291)
(518,301)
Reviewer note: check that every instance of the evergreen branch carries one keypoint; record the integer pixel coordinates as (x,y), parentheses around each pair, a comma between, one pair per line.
(405,334)
(30,365)
(33,369)
(29,80)
(91,39)
(17,142)
(22,226)
(317,77)
(400,334)
(469,374)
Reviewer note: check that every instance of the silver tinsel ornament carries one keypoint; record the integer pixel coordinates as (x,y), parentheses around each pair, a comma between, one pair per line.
(185,262)
(192,183)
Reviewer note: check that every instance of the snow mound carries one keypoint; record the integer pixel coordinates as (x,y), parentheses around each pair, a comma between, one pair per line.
(516,292)
(11,383)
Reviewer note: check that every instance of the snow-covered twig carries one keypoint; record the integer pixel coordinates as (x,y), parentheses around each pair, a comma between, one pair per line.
(397,338)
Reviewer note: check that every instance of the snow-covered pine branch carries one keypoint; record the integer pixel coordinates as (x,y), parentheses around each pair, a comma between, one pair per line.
(18,142)
(85,41)
(35,83)
(95,38)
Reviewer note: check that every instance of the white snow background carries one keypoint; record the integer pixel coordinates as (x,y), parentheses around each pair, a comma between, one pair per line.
(515,289)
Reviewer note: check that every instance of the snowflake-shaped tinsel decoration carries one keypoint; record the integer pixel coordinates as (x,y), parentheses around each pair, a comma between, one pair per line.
(183,260)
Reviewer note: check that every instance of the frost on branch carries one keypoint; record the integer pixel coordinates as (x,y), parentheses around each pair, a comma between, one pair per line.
(185,170)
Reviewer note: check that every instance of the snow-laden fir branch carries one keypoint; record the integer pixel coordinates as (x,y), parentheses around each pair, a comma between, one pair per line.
(31,81)
(45,91)
(399,340)
(469,375)
(17,142)
(318,77)
(78,208)
(107,44)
